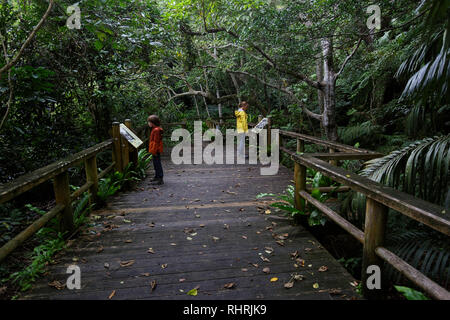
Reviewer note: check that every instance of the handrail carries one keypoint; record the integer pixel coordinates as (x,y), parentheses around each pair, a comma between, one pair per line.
(58,171)
(28,181)
(379,199)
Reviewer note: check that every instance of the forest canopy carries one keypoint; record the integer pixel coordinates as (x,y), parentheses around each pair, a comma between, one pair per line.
(343,70)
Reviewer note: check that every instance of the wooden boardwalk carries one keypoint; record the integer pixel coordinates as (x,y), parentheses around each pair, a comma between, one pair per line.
(205,229)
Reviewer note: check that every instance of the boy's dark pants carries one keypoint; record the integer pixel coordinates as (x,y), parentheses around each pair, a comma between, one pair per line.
(157,165)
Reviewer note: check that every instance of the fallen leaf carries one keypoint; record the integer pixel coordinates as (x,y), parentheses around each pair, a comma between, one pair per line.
(289,284)
(268,212)
(244,269)
(230,285)
(150,250)
(173,244)
(192,292)
(215,239)
(264,259)
(275,279)
(266,270)
(100,249)
(316,285)
(164,265)
(323,268)
(189,238)
(280,242)
(128,241)
(56,284)
(202,226)
(299,277)
(153,285)
(151,225)
(182,280)
(255,265)
(127,263)
(126,221)
(145,274)
(106,265)
(294,254)
(244,237)
(112,294)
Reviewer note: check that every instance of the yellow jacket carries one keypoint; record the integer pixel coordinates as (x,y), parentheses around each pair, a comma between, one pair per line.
(241,121)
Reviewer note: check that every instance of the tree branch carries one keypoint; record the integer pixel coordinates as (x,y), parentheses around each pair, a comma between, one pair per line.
(282,89)
(348,59)
(14,60)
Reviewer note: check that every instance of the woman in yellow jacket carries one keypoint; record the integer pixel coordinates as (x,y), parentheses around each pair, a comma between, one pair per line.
(241,127)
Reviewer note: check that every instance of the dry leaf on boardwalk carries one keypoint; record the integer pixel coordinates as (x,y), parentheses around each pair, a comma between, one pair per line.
(153,285)
(274,279)
(266,270)
(264,259)
(56,284)
(289,284)
(230,285)
(150,250)
(113,293)
(323,268)
(163,266)
(127,263)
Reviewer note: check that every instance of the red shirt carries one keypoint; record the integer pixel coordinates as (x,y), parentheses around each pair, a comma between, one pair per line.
(155,143)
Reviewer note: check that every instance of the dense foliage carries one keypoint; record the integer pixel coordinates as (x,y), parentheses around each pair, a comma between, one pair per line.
(314,66)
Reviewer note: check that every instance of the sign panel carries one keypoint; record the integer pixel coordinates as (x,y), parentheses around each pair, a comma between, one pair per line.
(257,129)
(130,136)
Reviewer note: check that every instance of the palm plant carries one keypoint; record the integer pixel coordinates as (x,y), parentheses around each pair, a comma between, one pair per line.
(423,170)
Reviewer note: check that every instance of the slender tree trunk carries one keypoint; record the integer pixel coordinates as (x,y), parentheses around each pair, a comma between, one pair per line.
(329,91)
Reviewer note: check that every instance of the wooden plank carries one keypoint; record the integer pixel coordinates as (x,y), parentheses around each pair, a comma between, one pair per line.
(28,181)
(417,209)
(29,231)
(330,144)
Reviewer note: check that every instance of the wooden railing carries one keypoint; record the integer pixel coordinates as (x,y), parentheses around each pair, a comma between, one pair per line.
(122,154)
(379,199)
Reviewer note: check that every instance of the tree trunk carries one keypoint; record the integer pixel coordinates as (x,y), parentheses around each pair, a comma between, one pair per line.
(329,91)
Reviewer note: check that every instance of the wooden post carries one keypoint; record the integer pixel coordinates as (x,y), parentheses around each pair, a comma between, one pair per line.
(374,232)
(90,166)
(133,153)
(125,151)
(62,195)
(299,178)
(333,162)
(117,153)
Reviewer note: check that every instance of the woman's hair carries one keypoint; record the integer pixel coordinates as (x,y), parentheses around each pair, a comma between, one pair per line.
(242,104)
(154,119)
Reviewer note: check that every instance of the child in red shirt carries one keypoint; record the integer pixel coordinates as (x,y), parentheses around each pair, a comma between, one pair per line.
(155,147)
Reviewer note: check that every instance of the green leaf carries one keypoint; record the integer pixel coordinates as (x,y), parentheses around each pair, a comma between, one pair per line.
(411,294)
(192,292)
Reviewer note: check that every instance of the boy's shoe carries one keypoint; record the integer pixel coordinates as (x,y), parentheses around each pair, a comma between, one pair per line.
(158,181)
